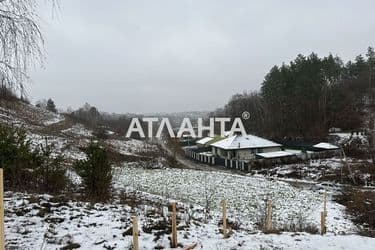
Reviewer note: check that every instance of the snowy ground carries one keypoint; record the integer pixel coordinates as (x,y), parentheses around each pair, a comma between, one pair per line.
(344,138)
(245,195)
(78,130)
(45,222)
(67,147)
(130,146)
(39,223)
(22,114)
(322,170)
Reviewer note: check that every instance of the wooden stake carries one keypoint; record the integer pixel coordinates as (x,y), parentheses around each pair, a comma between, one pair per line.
(270,221)
(322,223)
(174,226)
(325,204)
(269,216)
(135,233)
(224,204)
(2,237)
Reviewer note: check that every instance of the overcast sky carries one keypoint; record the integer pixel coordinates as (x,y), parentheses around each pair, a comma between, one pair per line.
(157,55)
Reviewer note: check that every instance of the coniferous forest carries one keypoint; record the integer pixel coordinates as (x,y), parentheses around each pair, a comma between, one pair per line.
(308,96)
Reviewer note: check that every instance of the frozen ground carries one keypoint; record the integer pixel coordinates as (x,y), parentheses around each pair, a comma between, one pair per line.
(78,130)
(67,147)
(22,114)
(130,146)
(245,195)
(46,222)
(344,138)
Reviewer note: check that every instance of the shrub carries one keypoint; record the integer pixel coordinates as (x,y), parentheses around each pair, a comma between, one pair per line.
(49,170)
(16,157)
(96,173)
(27,169)
(101,133)
(51,106)
(361,205)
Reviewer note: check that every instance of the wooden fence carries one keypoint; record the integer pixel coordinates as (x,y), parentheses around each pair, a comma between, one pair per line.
(212,160)
(202,156)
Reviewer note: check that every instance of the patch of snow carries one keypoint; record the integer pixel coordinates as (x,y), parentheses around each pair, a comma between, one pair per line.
(130,146)
(78,129)
(344,138)
(55,119)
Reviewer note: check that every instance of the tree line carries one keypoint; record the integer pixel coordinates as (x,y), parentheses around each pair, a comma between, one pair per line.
(308,96)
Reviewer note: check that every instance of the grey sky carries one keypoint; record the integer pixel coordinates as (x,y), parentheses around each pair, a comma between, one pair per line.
(157,55)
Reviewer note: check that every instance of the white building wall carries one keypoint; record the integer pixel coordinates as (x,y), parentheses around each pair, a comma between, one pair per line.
(242,154)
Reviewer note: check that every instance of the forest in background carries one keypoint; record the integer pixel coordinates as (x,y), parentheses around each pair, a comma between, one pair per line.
(308,96)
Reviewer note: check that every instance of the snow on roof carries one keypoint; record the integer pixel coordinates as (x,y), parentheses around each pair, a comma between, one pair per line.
(294,151)
(204,140)
(242,142)
(325,145)
(275,154)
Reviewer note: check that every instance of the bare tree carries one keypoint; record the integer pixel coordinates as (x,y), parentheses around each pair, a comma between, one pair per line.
(21,42)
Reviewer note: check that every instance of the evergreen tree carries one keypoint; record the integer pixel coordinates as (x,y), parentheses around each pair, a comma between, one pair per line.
(51,106)
(371,64)
(28,169)
(49,169)
(310,95)
(96,173)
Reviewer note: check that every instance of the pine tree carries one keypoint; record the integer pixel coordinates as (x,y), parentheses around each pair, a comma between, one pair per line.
(371,64)
(29,169)
(96,173)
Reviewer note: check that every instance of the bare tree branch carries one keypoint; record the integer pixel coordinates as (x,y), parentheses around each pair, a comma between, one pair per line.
(21,42)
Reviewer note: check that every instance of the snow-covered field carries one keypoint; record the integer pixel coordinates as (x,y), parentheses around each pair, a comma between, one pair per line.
(45,222)
(245,195)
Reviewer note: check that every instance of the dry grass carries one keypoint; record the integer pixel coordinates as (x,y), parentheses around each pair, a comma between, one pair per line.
(361,205)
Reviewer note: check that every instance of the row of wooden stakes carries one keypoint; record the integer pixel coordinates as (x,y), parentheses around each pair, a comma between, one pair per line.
(174,242)
(225,230)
